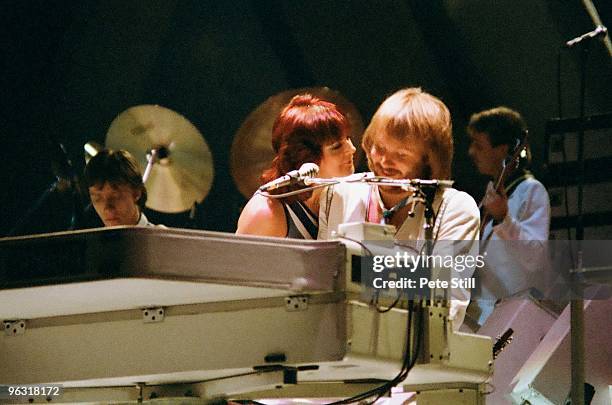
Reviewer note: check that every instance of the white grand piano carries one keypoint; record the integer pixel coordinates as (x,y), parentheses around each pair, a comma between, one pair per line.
(140,314)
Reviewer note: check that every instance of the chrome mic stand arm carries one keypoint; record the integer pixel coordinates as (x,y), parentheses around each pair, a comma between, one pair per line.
(313,183)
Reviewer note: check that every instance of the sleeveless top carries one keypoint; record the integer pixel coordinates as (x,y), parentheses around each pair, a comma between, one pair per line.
(301,222)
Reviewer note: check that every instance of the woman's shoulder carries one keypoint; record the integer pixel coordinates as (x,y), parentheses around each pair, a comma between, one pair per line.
(263,216)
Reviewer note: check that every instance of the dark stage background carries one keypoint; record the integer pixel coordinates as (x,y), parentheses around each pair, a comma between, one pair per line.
(70,67)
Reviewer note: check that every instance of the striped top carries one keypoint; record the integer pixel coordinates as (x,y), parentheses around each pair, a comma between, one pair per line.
(301,222)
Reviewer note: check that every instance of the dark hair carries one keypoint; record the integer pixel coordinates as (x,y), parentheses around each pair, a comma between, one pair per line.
(115,167)
(503,125)
(299,133)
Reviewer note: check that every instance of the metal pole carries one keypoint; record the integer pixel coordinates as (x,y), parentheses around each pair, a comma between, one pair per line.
(577,304)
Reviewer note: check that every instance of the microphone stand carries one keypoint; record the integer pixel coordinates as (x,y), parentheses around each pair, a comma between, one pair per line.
(65,180)
(577,305)
(424,193)
(309,187)
(431,325)
(313,183)
(15,231)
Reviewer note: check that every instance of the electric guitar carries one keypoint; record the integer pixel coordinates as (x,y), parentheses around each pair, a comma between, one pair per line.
(509,166)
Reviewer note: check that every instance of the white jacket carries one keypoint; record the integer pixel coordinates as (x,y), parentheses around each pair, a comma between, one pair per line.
(457,218)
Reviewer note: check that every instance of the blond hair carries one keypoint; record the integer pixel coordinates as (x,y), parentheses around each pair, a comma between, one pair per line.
(414,116)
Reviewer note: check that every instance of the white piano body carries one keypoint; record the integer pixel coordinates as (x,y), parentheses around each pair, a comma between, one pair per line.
(127,314)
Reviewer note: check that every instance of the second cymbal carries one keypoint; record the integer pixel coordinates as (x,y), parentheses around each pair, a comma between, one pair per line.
(252,152)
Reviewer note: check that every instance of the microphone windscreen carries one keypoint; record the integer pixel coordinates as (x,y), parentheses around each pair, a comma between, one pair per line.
(308,169)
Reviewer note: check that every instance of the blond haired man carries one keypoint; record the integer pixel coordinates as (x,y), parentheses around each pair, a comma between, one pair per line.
(409,137)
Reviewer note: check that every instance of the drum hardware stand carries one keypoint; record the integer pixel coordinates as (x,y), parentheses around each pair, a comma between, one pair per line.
(155,155)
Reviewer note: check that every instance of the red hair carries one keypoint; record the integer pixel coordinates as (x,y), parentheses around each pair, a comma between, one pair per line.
(299,133)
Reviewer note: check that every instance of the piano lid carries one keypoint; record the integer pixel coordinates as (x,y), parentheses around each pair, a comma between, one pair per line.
(170,254)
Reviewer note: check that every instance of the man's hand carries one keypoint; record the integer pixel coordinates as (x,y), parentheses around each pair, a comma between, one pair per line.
(496,204)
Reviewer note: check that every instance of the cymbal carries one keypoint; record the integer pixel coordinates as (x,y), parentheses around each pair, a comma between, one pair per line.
(184,173)
(252,151)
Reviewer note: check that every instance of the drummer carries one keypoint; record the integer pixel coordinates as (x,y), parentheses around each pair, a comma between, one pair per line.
(115,187)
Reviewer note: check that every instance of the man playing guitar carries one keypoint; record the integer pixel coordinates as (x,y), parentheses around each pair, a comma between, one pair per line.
(516,206)
(515,201)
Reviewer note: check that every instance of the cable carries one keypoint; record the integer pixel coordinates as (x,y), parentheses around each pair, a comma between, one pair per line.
(407,364)
(374,300)
(559,92)
(410,358)
(564,156)
(360,243)
(382,310)
(491,390)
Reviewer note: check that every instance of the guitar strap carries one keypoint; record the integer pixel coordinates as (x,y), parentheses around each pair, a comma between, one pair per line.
(511,185)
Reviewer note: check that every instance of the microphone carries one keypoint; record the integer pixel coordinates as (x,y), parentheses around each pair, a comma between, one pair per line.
(61,165)
(293,177)
(599,31)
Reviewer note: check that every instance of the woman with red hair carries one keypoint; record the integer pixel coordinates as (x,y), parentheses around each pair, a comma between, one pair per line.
(308,130)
